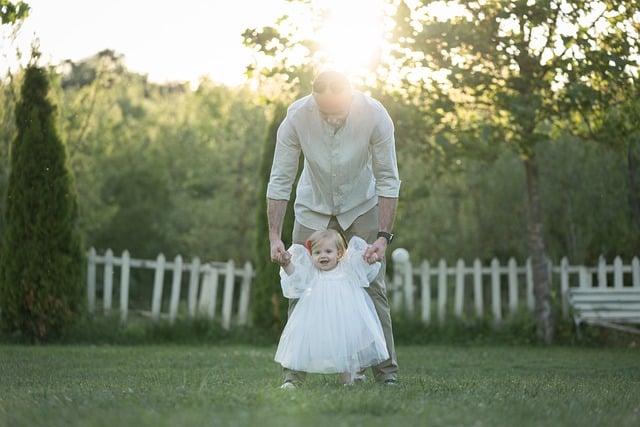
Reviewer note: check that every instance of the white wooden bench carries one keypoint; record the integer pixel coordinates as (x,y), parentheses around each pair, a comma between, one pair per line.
(615,308)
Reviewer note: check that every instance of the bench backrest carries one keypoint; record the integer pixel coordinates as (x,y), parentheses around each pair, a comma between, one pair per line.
(610,304)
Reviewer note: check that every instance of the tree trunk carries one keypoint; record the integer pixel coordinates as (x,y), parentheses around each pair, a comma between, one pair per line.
(633,168)
(541,291)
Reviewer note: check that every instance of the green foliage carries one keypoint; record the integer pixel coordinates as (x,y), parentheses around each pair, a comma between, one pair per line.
(268,305)
(12,12)
(41,260)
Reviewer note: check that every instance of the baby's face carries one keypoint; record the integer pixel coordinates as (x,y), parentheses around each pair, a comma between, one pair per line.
(325,254)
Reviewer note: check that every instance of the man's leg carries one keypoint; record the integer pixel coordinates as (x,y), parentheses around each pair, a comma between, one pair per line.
(299,235)
(366,226)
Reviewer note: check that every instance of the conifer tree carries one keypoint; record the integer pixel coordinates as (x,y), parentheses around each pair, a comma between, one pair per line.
(41,258)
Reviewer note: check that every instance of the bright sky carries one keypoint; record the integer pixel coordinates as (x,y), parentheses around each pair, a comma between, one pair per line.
(167,40)
(195,38)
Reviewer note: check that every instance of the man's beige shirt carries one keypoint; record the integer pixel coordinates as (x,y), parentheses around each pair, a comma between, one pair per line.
(345,170)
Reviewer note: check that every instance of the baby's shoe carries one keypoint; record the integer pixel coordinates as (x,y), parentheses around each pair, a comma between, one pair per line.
(359,378)
(287,385)
(347,378)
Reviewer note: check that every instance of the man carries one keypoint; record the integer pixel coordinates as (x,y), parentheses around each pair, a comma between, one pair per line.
(349,182)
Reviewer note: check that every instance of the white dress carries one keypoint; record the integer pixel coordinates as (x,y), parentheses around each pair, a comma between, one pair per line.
(334,326)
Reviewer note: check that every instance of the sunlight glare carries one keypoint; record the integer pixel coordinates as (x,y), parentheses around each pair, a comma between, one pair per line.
(351,35)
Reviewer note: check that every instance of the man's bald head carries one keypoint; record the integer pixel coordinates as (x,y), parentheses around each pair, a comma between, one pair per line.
(332,92)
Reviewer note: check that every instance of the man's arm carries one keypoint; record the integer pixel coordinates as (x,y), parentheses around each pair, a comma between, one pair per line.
(385,171)
(387,212)
(275,214)
(283,173)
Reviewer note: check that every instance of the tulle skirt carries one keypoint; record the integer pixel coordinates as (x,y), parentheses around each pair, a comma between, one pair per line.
(333,328)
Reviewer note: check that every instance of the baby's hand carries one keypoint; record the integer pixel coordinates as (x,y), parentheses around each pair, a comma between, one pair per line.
(286,259)
(372,259)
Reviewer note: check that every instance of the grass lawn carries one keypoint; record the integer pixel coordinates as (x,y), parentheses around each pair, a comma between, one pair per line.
(238,385)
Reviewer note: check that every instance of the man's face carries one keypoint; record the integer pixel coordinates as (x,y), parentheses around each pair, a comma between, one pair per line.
(333,96)
(325,254)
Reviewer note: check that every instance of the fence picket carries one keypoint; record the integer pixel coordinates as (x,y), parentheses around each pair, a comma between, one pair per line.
(175,288)
(477,287)
(158,279)
(602,272)
(91,281)
(513,285)
(564,286)
(442,290)
(245,291)
(194,275)
(124,286)
(635,272)
(459,290)
(227,298)
(425,281)
(530,300)
(107,290)
(496,303)
(617,272)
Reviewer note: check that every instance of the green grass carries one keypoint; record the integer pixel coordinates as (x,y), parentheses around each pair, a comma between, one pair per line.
(237,385)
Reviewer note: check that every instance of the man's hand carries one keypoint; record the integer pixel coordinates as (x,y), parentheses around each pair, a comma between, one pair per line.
(278,253)
(375,252)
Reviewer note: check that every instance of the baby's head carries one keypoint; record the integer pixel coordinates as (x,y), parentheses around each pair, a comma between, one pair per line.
(326,247)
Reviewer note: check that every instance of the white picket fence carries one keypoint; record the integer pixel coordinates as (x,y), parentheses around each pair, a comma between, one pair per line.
(202,291)
(412,285)
(411,288)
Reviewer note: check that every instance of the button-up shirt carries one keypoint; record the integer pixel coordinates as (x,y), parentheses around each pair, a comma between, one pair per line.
(345,168)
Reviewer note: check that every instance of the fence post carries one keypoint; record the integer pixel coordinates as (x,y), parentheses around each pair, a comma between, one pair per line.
(157,288)
(496,303)
(513,285)
(400,257)
(227,299)
(635,272)
(107,290)
(192,296)
(459,292)
(442,290)
(124,286)
(175,289)
(564,286)
(245,291)
(91,281)
(425,279)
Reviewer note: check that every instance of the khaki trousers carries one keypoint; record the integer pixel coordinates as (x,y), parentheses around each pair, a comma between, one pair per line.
(366,227)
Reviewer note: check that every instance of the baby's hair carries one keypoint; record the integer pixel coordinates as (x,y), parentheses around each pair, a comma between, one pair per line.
(329,233)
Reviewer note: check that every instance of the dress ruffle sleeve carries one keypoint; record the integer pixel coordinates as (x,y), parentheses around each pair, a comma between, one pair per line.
(355,264)
(294,285)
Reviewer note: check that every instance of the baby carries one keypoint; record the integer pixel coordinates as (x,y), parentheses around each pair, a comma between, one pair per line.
(334,327)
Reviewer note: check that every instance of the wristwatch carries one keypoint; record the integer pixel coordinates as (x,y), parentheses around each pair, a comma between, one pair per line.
(388,236)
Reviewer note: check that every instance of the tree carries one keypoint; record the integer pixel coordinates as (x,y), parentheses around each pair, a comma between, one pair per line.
(12,12)
(520,64)
(41,260)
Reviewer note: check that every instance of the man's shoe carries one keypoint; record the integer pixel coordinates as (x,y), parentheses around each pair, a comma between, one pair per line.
(288,385)
(390,382)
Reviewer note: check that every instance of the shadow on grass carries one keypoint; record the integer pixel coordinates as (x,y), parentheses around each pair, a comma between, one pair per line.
(517,329)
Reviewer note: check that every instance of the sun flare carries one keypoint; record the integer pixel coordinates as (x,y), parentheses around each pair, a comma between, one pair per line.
(352,35)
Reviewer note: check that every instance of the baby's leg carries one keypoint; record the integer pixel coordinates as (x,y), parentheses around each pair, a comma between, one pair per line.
(346,378)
